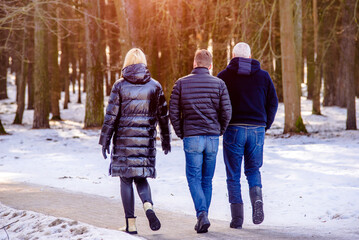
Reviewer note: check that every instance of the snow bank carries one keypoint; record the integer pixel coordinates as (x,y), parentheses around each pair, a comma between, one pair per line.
(32,225)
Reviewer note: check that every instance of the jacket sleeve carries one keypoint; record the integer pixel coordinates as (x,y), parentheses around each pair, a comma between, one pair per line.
(225,108)
(112,114)
(163,121)
(176,110)
(272,103)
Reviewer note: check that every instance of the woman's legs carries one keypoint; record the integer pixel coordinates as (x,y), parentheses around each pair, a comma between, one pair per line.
(127,196)
(143,189)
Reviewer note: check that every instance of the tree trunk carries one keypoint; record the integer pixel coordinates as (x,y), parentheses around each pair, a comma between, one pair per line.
(298,37)
(348,58)
(94,115)
(123,21)
(277,77)
(308,48)
(65,75)
(4,59)
(22,77)
(3,74)
(330,73)
(293,120)
(30,83)
(113,36)
(317,58)
(357,69)
(2,130)
(41,113)
(54,70)
(30,76)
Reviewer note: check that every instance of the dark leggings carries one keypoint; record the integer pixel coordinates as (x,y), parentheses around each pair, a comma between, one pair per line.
(128,199)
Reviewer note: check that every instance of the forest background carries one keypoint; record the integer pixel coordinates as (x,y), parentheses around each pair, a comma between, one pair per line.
(79,45)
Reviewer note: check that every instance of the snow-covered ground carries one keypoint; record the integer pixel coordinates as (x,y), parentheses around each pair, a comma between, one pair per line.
(32,225)
(309,181)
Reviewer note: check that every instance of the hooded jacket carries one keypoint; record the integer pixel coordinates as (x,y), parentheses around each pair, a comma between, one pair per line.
(135,106)
(253,96)
(199,105)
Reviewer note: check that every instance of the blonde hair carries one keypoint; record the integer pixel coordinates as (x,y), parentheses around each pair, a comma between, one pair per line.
(134,56)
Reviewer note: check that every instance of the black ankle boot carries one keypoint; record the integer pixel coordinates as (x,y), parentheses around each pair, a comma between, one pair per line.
(255,194)
(237,215)
(202,223)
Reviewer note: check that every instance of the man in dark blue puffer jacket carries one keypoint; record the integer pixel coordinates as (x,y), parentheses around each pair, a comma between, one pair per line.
(200,111)
(254,105)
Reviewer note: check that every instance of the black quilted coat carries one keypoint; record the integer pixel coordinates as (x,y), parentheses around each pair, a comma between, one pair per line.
(136,105)
(200,105)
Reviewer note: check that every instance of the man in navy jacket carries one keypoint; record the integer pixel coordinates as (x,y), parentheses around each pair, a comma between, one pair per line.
(254,105)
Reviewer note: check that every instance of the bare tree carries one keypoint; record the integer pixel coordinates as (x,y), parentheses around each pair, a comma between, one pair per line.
(41,113)
(298,37)
(293,120)
(347,58)
(317,62)
(22,76)
(2,130)
(54,71)
(94,115)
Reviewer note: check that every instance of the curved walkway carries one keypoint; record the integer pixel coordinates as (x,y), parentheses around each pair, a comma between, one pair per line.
(107,213)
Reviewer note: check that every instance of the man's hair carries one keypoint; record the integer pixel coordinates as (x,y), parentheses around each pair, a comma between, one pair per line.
(203,58)
(242,49)
(134,56)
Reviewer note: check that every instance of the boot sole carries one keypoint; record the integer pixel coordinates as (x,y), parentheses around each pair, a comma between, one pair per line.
(258,214)
(153,220)
(204,228)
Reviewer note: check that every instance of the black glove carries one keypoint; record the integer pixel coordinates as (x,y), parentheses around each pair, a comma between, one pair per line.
(104,149)
(166,147)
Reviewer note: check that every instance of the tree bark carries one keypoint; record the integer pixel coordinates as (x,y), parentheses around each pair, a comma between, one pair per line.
(65,75)
(3,74)
(54,71)
(317,62)
(2,130)
(123,21)
(348,58)
(4,59)
(41,112)
(298,37)
(308,46)
(22,77)
(293,120)
(277,77)
(94,114)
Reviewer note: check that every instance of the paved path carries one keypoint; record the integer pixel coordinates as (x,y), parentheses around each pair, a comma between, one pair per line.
(107,213)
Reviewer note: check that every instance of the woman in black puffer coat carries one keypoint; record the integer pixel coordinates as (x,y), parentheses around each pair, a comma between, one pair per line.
(136,105)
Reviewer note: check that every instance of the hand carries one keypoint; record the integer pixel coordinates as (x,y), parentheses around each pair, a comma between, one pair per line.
(166,147)
(104,149)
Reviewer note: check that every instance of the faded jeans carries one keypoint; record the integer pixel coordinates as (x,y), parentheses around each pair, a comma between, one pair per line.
(201,153)
(239,142)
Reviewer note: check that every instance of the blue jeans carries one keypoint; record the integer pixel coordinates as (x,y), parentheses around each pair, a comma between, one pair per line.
(201,153)
(239,141)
